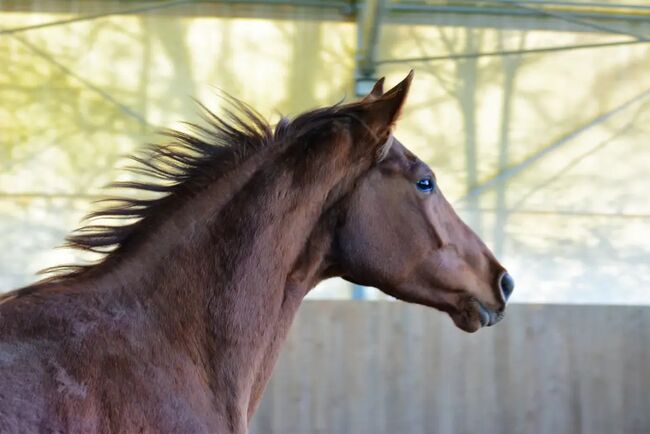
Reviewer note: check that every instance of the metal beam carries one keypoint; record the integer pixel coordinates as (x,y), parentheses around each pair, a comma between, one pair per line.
(500,53)
(585,5)
(571,19)
(133,10)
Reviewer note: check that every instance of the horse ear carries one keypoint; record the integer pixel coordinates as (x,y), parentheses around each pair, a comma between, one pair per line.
(380,113)
(376,92)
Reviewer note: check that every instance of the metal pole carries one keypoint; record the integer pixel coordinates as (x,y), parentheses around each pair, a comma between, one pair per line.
(368,24)
(358,292)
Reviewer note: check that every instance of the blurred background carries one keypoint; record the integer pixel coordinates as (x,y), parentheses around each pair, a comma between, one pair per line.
(534,114)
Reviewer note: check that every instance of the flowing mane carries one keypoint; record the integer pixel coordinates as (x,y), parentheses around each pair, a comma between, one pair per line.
(177,170)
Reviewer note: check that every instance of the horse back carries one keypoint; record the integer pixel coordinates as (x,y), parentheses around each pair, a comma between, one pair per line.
(72,362)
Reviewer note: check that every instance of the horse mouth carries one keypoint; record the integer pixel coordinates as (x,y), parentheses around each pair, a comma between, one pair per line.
(474,315)
(487,316)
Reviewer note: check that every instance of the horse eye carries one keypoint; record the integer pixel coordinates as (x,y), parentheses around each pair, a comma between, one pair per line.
(426,185)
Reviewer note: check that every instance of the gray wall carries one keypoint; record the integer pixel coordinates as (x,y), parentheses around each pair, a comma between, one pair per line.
(382,367)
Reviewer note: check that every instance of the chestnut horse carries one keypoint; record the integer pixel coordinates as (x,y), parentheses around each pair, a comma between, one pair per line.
(177,328)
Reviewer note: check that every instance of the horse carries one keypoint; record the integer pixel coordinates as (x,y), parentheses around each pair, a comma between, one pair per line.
(177,327)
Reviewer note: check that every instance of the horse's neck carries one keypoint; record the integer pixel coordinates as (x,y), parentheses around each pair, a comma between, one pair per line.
(264,279)
(234,287)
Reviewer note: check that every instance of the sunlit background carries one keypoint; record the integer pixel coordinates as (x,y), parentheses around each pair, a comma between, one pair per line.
(534,114)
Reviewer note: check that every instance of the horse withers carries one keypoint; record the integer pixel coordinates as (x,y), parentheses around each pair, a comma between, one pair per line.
(178,327)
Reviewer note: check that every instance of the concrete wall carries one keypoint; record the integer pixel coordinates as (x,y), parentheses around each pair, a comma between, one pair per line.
(382,367)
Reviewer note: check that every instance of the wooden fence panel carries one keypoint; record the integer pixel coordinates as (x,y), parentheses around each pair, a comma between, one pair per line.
(386,368)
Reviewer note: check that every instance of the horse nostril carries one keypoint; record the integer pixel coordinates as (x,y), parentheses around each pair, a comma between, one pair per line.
(506,284)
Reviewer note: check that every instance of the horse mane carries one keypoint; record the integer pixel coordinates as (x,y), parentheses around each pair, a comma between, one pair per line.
(181,168)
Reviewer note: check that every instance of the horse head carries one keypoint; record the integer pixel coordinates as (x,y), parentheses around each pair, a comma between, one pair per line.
(400,234)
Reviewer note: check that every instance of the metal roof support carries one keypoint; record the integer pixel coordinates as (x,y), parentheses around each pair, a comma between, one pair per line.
(369,18)
(514,170)
(571,19)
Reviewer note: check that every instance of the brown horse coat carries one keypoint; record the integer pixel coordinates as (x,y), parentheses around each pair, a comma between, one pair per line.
(178,327)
